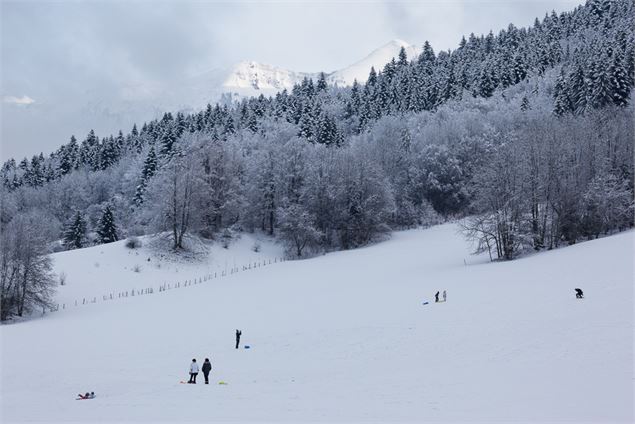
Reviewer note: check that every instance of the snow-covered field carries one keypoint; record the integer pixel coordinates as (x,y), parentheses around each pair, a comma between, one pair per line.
(342,337)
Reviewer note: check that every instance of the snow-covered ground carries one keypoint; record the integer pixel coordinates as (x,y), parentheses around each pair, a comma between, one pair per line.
(344,337)
(111,269)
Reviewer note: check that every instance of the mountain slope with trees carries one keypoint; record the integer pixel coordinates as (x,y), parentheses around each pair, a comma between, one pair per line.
(529,132)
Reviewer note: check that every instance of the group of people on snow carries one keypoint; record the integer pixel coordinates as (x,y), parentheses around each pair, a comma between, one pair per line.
(579,294)
(207,365)
(207,368)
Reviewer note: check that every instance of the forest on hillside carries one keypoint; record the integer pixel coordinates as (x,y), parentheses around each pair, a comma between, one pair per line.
(526,135)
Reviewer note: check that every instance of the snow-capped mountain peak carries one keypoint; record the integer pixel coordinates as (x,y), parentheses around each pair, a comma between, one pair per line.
(249,78)
(260,76)
(377,59)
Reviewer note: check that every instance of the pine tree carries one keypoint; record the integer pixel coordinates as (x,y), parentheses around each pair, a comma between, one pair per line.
(619,81)
(486,82)
(403,58)
(520,69)
(578,89)
(229,126)
(562,104)
(321,84)
(372,77)
(88,154)
(426,59)
(109,153)
(107,231)
(168,138)
(149,169)
(601,90)
(75,234)
(68,157)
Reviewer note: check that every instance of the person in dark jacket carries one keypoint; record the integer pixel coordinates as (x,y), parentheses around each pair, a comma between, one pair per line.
(436,297)
(579,294)
(238,333)
(207,367)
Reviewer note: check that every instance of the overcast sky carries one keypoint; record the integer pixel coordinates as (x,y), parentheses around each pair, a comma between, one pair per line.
(60,58)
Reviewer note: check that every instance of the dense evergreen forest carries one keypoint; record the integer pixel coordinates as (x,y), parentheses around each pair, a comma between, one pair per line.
(528,133)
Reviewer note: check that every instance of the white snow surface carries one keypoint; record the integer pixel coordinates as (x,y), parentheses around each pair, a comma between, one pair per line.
(343,337)
(112,268)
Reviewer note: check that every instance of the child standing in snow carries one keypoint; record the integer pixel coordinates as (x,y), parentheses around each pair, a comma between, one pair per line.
(436,297)
(193,372)
(444,296)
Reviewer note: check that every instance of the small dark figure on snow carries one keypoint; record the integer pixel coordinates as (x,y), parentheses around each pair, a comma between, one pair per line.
(436,297)
(579,294)
(207,367)
(445,296)
(193,372)
(90,395)
(238,333)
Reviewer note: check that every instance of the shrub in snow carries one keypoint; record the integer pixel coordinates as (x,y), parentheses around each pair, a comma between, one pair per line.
(133,243)
(256,247)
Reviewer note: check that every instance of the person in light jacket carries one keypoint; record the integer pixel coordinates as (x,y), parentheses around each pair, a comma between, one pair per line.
(207,367)
(193,372)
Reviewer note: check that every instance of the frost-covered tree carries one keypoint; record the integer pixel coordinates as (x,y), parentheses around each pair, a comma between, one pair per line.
(75,234)
(170,202)
(107,230)
(26,279)
(148,171)
(297,228)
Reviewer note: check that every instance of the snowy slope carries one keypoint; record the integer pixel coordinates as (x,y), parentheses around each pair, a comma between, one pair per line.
(345,337)
(112,268)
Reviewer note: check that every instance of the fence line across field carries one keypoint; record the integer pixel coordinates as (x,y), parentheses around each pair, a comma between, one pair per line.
(165,286)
